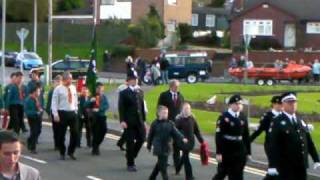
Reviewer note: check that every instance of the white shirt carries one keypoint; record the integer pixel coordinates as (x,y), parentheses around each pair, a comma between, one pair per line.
(60,99)
(275,113)
(234,114)
(174,94)
(291,117)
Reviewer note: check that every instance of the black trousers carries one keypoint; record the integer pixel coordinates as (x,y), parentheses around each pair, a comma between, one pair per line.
(55,130)
(135,138)
(68,119)
(35,130)
(161,167)
(176,154)
(84,120)
(99,129)
(185,161)
(123,138)
(16,118)
(232,167)
(293,173)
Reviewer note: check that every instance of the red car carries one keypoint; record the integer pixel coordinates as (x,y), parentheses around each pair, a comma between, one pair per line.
(268,74)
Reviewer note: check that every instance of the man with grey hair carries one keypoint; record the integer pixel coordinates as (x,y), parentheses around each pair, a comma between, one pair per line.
(64,108)
(173,100)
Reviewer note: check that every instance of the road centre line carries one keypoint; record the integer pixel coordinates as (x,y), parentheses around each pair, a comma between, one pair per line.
(34,159)
(93,177)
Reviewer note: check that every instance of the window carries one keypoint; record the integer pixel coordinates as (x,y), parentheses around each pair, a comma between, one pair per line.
(172,2)
(257,27)
(210,20)
(195,18)
(75,65)
(313,28)
(60,65)
(107,2)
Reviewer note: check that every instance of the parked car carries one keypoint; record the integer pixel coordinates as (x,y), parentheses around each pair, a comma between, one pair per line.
(10,58)
(191,66)
(75,65)
(28,60)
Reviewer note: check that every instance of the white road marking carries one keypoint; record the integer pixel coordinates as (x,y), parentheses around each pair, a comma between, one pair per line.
(34,159)
(93,178)
(192,155)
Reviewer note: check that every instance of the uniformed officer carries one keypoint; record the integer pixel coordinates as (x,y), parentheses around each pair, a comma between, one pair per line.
(232,141)
(132,117)
(34,111)
(55,126)
(64,108)
(99,105)
(15,102)
(290,143)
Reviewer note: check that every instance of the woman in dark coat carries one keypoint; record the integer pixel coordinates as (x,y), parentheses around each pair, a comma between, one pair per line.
(188,126)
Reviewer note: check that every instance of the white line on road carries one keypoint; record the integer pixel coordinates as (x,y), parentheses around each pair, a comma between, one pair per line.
(93,178)
(34,159)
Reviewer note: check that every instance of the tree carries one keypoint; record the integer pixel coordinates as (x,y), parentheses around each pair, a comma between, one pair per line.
(217,3)
(185,31)
(22,10)
(148,31)
(67,5)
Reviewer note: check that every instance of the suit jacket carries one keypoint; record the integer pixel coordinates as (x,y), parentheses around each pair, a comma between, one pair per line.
(290,144)
(166,99)
(28,173)
(131,107)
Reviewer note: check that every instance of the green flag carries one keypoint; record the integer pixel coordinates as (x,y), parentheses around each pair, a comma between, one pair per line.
(92,71)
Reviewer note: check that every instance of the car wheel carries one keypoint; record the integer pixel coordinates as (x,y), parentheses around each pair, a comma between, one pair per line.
(270,82)
(260,82)
(192,78)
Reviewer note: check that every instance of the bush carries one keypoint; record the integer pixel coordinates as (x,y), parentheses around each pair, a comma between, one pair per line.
(264,43)
(185,31)
(67,5)
(121,51)
(226,40)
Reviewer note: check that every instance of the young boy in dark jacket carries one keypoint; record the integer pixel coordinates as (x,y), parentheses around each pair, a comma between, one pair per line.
(83,113)
(34,111)
(188,126)
(161,132)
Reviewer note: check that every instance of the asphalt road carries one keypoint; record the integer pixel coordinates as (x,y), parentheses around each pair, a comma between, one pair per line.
(110,165)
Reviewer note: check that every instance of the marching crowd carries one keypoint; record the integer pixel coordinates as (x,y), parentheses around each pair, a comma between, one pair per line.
(287,142)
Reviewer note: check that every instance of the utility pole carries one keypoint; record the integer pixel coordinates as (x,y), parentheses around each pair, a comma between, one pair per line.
(3,43)
(50,39)
(35,25)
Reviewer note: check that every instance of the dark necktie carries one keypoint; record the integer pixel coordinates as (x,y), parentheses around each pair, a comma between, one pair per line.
(175,99)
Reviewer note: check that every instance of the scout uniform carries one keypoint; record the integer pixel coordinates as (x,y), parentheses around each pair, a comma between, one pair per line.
(232,142)
(99,106)
(290,144)
(33,110)
(84,119)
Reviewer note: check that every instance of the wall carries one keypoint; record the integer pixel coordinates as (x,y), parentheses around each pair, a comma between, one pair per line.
(120,10)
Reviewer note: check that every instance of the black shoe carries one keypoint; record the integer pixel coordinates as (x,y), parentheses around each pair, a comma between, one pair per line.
(132,169)
(190,178)
(56,148)
(62,157)
(89,145)
(95,152)
(121,147)
(72,157)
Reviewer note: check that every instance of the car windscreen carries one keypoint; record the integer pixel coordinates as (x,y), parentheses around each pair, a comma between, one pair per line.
(30,56)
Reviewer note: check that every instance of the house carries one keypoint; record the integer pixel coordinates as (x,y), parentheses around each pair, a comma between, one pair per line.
(172,12)
(292,23)
(209,19)
(114,9)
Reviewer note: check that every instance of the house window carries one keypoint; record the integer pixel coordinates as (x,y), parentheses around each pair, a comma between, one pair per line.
(107,2)
(210,20)
(172,2)
(195,18)
(257,27)
(313,28)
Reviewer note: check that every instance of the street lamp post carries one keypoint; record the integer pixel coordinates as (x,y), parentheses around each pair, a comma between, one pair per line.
(3,43)
(247,40)
(50,38)
(35,24)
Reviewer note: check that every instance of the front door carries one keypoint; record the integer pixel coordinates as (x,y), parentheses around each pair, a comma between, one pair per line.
(290,36)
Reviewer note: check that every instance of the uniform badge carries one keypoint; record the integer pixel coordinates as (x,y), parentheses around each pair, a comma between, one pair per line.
(270,130)
(226,120)
(232,123)
(287,131)
(283,123)
(242,123)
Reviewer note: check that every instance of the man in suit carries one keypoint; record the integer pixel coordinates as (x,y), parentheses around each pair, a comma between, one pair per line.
(232,141)
(10,151)
(173,100)
(132,119)
(290,143)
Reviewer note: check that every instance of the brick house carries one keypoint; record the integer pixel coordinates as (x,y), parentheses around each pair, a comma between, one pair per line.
(293,23)
(172,12)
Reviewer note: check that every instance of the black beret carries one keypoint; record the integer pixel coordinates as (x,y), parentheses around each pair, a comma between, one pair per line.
(234,99)
(276,100)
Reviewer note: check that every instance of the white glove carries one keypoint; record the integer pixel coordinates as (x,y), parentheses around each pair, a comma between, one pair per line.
(316,166)
(310,127)
(272,172)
